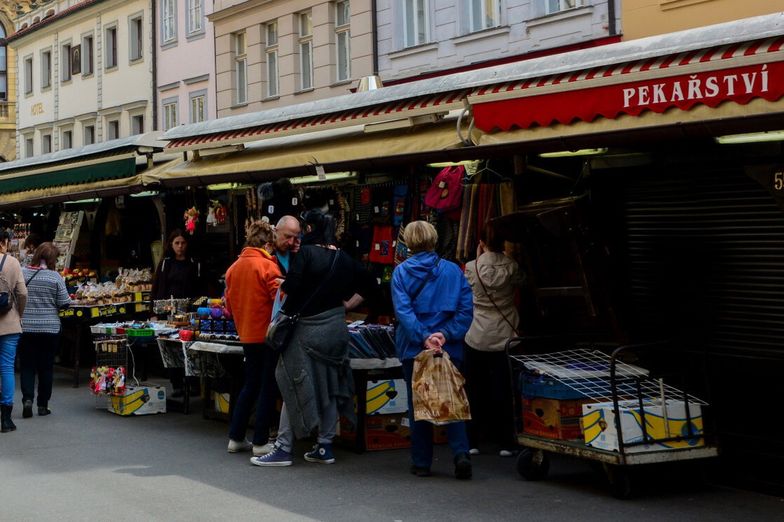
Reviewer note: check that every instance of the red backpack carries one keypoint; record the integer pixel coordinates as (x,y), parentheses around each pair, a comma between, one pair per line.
(446,192)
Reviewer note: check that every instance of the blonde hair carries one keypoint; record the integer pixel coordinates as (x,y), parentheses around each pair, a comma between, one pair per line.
(258,234)
(420,236)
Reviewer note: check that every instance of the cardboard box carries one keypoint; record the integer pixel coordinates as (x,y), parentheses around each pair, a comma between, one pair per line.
(381,432)
(599,425)
(386,396)
(552,418)
(220,402)
(139,400)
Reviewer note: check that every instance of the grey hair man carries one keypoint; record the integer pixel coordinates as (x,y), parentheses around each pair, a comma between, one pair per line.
(288,236)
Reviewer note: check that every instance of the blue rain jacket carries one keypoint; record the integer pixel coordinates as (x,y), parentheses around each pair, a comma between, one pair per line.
(443,305)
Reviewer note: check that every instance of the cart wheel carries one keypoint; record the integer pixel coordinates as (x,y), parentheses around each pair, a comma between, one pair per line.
(533,464)
(620,481)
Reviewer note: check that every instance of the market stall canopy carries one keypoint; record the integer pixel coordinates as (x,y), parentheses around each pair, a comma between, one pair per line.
(109,167)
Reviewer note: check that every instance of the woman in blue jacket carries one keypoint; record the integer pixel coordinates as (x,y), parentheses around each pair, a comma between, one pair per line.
(433,306)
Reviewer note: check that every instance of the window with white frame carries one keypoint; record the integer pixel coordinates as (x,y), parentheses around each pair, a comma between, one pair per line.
(198,108)
(415,21)
(170,111)
(305,51)
(29,147)
(110,46)
(556,6)
(168,21)
(28,72)
(271,52)
(136,37)
(65,63)
(137,124)
(240,68)
(343,40)
(88,63)
(88,137)
(195,9)
(46,68)
(484,14)
(66,139)
(46,143)
(112,129)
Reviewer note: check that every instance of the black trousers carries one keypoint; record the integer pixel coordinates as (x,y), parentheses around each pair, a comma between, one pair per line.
(36,357)
(260,390)
(489,388)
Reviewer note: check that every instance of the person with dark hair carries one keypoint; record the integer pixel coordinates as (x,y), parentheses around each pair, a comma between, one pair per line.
(313,372)
(252,282)
(13,299)
(494,278)
(46,295)
(31,242)
(178,276)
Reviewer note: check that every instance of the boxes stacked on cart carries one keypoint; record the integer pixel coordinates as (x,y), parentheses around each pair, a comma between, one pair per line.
(600,431)
(550,408)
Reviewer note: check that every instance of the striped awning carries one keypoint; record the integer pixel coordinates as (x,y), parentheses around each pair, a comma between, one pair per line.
(407,112)
(737,72)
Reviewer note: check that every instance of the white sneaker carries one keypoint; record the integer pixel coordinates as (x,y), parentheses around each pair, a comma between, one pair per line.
(473,451)
(505,453)
(238,446)
(258,451)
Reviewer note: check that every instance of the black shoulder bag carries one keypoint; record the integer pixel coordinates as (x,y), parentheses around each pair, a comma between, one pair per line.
(282,326)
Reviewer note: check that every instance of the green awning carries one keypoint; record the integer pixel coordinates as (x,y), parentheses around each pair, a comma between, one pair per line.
(64,175)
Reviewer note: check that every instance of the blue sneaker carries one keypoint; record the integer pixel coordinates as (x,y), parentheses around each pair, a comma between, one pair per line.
(321,453)
(277,457)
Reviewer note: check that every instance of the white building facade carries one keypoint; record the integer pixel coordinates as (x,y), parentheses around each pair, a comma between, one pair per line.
(418,37)
(85,74)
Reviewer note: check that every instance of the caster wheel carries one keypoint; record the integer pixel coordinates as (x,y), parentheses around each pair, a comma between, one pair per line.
(533,464)
(620,482)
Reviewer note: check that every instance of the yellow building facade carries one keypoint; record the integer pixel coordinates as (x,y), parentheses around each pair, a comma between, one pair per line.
(7,87)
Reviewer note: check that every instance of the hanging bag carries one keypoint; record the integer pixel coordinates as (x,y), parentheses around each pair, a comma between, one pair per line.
(6,291)
(438,390)
(446,192)
(282,326)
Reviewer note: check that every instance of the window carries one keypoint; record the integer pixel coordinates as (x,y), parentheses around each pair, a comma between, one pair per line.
(67,140)
(110,47)
(137,124)
(305,51)
(89,135)
(343,40)
(170,113)
(136,38)
(415,22)
(112,129)
(29,147)
(87,55)
(271,30)
(556,6)
(484,14)
(168,21)
(3,66)
(240,69)
(198,106)
(46,143)
(28,71)
(46,69)
(76,59)
(65,63)
(195,16)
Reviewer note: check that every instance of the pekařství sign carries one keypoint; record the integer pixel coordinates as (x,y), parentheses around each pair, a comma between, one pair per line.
(738,84)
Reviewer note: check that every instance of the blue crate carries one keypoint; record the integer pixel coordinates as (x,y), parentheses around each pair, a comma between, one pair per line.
(533,385)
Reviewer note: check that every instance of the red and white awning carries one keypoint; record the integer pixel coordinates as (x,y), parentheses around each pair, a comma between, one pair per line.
(735,73)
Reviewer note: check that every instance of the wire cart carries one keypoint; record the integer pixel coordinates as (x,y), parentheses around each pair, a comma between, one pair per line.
(629,417)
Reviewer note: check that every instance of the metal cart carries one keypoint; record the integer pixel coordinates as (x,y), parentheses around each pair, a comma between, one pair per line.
(619,392)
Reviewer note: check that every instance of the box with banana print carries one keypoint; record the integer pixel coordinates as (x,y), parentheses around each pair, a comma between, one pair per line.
(139,400)
(386,396)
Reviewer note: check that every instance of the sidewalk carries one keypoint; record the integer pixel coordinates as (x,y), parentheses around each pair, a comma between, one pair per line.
(83,463)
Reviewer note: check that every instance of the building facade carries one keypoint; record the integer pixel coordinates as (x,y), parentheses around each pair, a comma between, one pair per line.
(418,37)
(85,74)
(651,17)
(185,70)
(8,11)
(275,53)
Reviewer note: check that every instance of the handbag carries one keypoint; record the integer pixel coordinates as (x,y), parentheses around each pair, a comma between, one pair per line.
(6,291)
(446,192)
(282,325)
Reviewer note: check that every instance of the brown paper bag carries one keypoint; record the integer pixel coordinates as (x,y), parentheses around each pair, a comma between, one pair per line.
(439,390)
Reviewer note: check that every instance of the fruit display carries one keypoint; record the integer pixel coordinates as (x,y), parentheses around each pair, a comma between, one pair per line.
(74,276)
(134,279)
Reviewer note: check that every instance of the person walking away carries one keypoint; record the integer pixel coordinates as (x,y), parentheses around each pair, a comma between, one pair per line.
(432,302)
(288,238)
(252,282)
(313,372)
(13,299)
(46,296)
(177,276)
(494,278)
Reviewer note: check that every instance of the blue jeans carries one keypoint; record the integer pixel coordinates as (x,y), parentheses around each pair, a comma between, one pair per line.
(260,389)
(36,356)
(7,355)
(422,431)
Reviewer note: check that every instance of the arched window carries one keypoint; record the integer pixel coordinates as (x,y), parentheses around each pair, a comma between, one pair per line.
(3,66)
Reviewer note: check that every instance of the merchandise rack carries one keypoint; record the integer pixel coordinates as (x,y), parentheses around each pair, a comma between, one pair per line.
(599,377)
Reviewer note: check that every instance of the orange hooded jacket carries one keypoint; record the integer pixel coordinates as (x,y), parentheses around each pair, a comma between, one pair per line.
(251,284)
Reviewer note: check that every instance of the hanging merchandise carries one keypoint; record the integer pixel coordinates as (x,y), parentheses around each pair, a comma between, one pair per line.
(382,204)
(446,192)
(285,200)
(399,204)
(216,214)
(401,250)
(383,250)
(191,217)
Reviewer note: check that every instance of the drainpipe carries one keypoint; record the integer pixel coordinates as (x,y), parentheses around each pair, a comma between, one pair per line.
(154,66)
(374,33)
(611,18)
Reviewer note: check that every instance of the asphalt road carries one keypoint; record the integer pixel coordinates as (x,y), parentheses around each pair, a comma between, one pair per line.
(83,463)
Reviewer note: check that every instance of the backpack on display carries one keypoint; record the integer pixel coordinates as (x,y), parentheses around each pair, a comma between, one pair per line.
(6,292)
(446,192)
